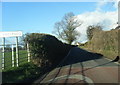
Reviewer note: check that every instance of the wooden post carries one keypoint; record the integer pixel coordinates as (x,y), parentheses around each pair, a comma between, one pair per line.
(28,51)
(13,56)
(17,52)
(3,54)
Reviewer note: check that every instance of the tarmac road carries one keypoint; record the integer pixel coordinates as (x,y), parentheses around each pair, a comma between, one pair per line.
(83,67)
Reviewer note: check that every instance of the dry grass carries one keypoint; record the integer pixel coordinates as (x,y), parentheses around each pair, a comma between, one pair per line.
(105,42)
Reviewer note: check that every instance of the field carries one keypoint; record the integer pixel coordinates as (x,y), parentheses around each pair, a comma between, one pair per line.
(25,73)
(8,58)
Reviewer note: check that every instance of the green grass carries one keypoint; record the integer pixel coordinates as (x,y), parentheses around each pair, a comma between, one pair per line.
(25,73)
(8,58)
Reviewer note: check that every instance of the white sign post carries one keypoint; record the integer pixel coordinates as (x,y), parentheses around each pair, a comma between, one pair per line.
(17,52)
(10,34)
(13,56)
(3,53)
(28,50)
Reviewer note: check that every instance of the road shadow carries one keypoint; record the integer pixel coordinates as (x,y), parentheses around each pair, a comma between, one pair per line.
(77,55)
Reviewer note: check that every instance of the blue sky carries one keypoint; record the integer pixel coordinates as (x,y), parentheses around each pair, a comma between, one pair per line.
(40,16)
(31,17)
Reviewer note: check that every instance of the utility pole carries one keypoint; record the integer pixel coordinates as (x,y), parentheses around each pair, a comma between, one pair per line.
(119,26)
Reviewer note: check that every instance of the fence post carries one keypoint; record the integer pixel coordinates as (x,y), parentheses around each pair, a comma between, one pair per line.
(3,54)
(12,56)
(17,52)
(28,51)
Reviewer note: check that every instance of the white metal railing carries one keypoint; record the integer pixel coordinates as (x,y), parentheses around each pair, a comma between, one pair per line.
(13,53)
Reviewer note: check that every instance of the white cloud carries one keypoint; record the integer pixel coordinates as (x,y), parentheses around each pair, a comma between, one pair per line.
(116,3)
(107,19)
(104,2)
(100,4)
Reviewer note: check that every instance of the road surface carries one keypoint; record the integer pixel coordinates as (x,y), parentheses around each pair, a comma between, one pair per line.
(83,67)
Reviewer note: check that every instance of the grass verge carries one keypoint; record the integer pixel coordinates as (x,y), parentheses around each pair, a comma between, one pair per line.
(25,73)
(110,54)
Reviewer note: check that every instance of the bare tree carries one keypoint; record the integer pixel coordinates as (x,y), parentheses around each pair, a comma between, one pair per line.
(65,29)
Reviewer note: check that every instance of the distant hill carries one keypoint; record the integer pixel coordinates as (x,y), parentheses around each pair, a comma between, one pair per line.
(104,42)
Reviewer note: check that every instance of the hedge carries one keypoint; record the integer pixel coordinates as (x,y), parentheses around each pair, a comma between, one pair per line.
(46,49)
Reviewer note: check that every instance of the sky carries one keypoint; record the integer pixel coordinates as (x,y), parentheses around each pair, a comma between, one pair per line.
(40,17)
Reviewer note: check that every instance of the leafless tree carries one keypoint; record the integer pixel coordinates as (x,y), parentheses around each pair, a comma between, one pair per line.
(66,28)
